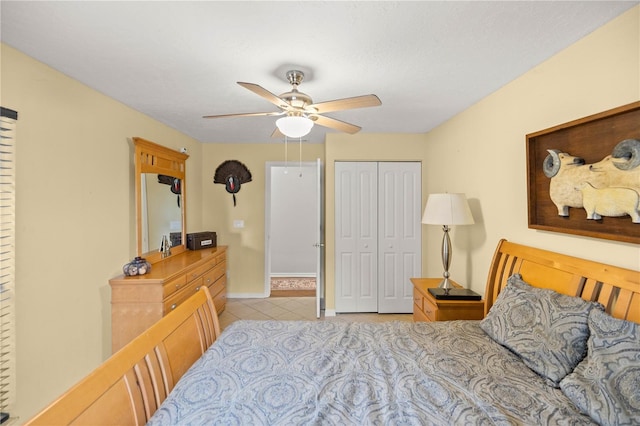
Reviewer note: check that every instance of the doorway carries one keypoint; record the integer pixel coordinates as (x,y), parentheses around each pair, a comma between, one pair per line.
(292,229)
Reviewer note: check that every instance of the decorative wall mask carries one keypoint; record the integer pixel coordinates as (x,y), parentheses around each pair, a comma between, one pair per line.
(232,174)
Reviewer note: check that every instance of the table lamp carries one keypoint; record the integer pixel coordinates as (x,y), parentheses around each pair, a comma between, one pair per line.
(446,210)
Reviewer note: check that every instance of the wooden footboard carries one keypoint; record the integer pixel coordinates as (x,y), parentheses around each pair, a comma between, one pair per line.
(618,289)
(129,387)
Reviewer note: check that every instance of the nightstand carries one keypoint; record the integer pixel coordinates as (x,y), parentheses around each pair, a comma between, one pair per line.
(428,308)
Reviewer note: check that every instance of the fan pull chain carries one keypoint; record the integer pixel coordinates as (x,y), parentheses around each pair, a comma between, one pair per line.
(300,156)
(286,162)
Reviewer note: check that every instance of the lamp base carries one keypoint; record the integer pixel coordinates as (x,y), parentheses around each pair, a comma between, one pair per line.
(446,283)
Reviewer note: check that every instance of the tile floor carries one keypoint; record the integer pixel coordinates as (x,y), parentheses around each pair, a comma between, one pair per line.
(292,308)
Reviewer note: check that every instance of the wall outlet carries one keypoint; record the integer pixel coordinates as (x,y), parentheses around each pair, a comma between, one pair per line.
(238,223)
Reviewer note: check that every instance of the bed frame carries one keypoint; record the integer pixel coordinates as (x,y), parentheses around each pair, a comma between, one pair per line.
(618,289)
(131,385)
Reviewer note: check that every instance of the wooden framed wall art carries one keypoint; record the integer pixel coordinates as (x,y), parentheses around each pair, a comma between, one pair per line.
(583,177)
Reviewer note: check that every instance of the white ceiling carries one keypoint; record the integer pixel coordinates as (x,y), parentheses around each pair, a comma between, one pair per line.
(178,60)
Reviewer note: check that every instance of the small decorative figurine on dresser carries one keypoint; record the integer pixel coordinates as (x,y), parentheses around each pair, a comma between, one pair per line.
(138,266)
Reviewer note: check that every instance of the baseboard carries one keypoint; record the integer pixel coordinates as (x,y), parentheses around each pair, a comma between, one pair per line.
(293,293)
(294,275)
(329,312)
(246,296)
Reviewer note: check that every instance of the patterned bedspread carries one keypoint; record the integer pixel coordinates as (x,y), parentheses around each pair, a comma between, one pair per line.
(339,373)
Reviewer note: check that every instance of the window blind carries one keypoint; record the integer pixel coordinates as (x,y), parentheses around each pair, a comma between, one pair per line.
(8,120)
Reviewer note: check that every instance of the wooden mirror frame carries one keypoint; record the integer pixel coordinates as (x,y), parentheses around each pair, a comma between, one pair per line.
(153,158)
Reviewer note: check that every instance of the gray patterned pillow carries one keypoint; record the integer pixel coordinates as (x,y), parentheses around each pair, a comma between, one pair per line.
(606,384)
(546,329)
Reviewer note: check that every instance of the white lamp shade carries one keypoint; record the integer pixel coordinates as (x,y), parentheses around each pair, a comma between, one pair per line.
(447,209)
(294,126)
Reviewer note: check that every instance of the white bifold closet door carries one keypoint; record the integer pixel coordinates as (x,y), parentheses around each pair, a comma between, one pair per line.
(378,235)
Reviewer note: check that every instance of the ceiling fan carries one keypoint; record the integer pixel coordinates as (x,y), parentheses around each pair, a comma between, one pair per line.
(300,113)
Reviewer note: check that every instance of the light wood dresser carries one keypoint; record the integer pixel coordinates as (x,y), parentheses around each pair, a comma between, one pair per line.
(428,308)
(139,301)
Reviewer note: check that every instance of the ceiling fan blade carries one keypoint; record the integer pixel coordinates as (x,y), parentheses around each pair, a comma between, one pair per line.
(246,114)
(346,103)
(332,123)
(261,91)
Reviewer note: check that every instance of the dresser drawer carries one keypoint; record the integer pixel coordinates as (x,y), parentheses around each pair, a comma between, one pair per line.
(219,258)
(429,309)
(219,301)
(218,286)
(215,274)
(174,300)
(419,316)
(417,299)
(200,270)
(173,286)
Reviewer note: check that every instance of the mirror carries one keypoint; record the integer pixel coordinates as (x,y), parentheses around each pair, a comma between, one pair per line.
(161,210)
(160,198)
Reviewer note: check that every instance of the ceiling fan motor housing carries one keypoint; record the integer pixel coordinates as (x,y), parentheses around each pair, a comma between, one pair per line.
(295,77)
(296,98)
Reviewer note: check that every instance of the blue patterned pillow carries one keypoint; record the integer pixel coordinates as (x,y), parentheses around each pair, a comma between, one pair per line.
(546,329)
(606,384)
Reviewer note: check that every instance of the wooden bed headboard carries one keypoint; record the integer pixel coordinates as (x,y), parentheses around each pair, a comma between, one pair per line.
(618,289)
(130,386)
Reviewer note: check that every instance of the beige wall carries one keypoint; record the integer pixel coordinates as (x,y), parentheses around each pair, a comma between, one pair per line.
(482,151)
(75,219)
(247,245)
(75,191)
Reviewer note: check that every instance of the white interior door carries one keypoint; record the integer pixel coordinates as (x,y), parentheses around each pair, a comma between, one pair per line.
(319,240)
(399,234)
(356,227)
(378,235)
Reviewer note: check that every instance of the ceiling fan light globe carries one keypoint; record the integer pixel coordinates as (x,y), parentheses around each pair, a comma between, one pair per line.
(294,126)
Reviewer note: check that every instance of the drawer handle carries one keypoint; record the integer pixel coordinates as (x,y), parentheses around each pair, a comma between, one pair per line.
(208,280)
(197,288)
(174,306)
(177,285)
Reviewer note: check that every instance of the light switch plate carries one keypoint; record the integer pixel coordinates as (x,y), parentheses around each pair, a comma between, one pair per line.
(238,223)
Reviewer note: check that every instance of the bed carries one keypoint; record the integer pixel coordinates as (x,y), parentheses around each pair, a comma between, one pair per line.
(560,344)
